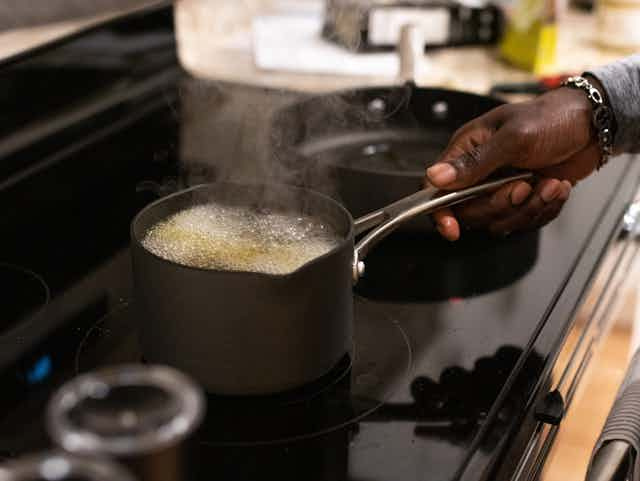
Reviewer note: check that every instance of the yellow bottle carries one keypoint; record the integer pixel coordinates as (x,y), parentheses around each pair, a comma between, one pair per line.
(530,38)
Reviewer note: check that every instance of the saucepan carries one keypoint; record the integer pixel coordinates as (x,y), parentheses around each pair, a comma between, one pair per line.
(378,139)
(244,333)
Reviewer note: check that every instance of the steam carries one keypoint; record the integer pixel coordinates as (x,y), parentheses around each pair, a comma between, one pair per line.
(248,134)
(225,134)
(345,21)
(245,134)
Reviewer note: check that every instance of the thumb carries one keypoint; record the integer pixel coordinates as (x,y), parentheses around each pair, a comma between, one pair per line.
(471,157)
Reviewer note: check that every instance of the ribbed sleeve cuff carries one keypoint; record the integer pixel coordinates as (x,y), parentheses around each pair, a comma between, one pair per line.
(621,82)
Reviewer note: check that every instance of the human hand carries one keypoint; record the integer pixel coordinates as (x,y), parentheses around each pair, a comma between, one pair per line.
(551,135)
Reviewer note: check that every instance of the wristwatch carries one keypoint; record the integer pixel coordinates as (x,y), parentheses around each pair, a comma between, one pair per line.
(602,118)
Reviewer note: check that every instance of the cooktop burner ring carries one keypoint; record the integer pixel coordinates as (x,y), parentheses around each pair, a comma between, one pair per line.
(381,360)
(27,291)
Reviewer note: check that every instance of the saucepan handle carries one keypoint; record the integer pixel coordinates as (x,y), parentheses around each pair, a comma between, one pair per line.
(384,221)
(410,52)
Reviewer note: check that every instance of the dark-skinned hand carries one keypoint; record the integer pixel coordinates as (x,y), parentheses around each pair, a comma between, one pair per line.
(551,135)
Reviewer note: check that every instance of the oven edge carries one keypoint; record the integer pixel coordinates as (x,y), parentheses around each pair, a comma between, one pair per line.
(589,327)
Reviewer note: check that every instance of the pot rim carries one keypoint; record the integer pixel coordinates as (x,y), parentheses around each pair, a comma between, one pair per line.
(348,238)
(299,147)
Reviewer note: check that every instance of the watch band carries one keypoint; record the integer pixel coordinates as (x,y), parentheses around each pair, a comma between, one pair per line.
(602,118)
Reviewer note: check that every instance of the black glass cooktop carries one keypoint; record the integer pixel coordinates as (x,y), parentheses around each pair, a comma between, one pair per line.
(443,361)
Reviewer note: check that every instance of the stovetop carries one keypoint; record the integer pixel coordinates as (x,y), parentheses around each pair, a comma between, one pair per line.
(451,340)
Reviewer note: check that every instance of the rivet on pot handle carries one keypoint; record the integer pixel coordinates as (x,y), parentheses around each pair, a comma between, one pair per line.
(384,221)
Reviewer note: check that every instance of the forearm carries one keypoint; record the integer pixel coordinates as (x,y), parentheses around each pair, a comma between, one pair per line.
(621,83)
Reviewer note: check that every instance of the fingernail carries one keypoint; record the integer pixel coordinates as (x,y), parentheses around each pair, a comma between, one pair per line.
(520,193)
(443,226)
(442,174)
(550,191)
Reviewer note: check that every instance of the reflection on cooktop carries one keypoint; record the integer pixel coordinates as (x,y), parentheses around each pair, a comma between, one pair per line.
(36,82)
(381,359)
(418,267)
(23,292)
(449,408)
(455,404)
(320,458)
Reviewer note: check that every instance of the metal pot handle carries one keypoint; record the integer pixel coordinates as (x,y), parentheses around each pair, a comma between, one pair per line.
(387,219)
(410,52)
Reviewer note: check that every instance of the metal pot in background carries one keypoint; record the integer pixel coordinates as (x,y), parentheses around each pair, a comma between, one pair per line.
(139,415)
(368,147)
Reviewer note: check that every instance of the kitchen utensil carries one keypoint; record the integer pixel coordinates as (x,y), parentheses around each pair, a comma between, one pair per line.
(389,218)
(376,140)
(615,454)
(139,415)
(612,462)
(241,333)
(60,466)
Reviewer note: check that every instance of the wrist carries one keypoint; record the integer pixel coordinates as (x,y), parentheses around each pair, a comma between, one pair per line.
(605,101)
(573,109)
(602,116)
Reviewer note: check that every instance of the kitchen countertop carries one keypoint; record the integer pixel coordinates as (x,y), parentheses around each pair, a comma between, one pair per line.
(211,51)
(214,51)
(16,41)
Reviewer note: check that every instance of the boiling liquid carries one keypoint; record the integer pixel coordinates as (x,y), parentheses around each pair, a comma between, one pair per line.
(213,236)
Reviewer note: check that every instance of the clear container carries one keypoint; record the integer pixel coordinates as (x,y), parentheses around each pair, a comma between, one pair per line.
(137,414)
(60,466)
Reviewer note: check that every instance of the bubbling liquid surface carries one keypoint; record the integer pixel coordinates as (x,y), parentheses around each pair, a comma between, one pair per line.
(214,236)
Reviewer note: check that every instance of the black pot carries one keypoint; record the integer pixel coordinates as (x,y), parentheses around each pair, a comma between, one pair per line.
(241,333)
(368,147)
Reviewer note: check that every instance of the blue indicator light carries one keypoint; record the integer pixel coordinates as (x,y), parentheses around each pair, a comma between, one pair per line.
(40,370)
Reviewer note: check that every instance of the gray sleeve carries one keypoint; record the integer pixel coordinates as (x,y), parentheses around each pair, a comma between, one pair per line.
(621,82)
